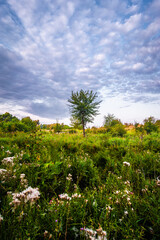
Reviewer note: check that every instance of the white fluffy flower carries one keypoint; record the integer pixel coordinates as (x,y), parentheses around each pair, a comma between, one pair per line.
(126,164)
(1,218)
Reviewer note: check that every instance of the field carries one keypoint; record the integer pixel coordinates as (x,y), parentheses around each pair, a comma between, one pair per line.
(64,186)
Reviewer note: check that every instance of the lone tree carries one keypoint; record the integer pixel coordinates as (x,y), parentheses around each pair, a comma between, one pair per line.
(84,107)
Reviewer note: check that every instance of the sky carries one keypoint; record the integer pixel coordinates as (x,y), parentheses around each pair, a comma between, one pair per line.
(49,48)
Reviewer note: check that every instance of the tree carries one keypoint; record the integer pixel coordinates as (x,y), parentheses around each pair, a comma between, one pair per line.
(108,120)
(7,117)
(75,123)
(84,107)
(149,125)
(30,124)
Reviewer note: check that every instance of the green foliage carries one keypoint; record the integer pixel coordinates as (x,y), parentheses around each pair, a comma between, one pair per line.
(84,107)
(9,123)
(97,182)
(58,128)
(150,125)
(31,125)
(7,117)
(75,123)
(108,120)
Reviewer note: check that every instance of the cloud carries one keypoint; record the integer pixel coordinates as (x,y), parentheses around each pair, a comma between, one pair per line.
(48,49)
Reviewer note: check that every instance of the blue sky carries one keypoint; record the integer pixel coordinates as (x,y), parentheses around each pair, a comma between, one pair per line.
(49,48)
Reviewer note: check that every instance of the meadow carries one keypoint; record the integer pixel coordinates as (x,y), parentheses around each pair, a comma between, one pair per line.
(65,186)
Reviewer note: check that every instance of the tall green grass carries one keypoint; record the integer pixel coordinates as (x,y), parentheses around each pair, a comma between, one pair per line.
(98,185)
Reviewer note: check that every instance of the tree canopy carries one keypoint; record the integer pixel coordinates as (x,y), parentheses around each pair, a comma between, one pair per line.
(84,107)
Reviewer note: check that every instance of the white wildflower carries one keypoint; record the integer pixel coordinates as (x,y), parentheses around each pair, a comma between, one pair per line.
(158,181)
(8,160)
(28,195)
(117,192)
(125,213)
(120,177)
(126,164)
(69,178)
(76,195)
(2,171)
(64,196)
(8,152)
(1,218)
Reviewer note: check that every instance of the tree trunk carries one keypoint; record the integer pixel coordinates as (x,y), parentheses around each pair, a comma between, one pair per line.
(83,128)
(83,131)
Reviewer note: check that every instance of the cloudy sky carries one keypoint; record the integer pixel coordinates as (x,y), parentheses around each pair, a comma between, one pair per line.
(49,48)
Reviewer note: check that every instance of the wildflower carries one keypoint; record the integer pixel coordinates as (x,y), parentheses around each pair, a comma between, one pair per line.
(144,190)
(69,178)
(2,171)
(138,171)
(126,164)
(125,213)
(1,218)
(126,191)
(101,234)
(56,220)
(127,183)
(22,176)
(90,232)
(45,233)
(158,181)
(109,209)
(50,236)
(8,152)
(117,192)
(117,201)
(64,196)
(120,177)
(75,195)
(28,195)
(8,160)
(2,147)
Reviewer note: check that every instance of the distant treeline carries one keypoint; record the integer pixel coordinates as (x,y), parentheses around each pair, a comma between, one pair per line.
(112,125)
(9,123)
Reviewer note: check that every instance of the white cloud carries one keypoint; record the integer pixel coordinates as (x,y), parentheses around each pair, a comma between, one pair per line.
(137,66)
(99,57)
(59,46)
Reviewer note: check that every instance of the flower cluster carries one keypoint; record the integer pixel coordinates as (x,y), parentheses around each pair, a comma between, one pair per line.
(69,178)
(109,209)
(64,196)
(8,161)
(6,175)
(2,171)
(125,194)
(93,235)
(47,234)
(28,195)
(8,152)
(76,195)
(24,181)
